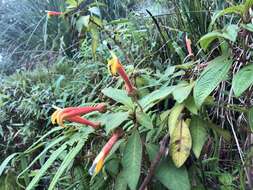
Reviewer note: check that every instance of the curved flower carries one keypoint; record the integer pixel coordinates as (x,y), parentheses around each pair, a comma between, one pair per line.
(114,66)
(54,13)
(188,45)
(98,163)
(73,114)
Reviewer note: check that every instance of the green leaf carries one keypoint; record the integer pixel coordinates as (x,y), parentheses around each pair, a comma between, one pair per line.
(242,80)
(83,21)
(113,120)
(170,176)
(144,119)
(45,166)
(237,9)
(210,78)
(250,118)
(182,91)
(180,143)
(131,160)
(95,40)
(6,161)
(68,159)
(119,96)
(230,33)
(156,96)
(173,118)
(199,135)
(248,27)
(120,183)
(50,145)
(190,105)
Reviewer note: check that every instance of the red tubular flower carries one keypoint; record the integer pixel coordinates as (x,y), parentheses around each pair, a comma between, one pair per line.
(54,13)
(73,114)
(188,45)
(114,67)
(99,160)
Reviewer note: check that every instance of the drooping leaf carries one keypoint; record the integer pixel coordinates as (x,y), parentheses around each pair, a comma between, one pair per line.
(210,78)
(131,160)
(6,162)
(144,119)
(170,176)
(180,143)
(237,9)
(199,135)
(156,96)
(242,80)
(119,96)
(248,27)
(250,118)
(95,40)
(230,33)
(182,92)
(68,159)
(174,116)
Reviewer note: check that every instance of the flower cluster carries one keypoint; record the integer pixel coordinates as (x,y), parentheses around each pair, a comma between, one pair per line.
(74,114)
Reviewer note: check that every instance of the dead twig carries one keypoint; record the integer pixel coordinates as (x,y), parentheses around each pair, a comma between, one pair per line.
(155,162)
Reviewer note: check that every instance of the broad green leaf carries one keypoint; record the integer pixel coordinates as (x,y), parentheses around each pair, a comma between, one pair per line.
(199,135)
(45,166)
(180,143)
(210,78)
(242,80)
(190,105)
(230,33)
(170,176)
(119,96)
(82,22)
(250,118)
(144,119)
(120,183)
(182,92)
(174,116)
(68,159)
(6,161)
(113,120)
(156,96)
(131,160)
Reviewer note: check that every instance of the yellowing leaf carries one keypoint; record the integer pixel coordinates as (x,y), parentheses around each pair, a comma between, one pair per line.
(180,143)
(173,118)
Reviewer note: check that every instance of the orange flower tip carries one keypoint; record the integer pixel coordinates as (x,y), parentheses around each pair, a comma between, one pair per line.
(102,108)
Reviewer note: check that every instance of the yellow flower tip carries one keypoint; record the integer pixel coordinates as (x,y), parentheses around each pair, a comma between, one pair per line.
(97,164)
(54,116)
(113,65)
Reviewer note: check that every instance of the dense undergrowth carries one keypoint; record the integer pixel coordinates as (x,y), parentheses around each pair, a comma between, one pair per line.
(184,121)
